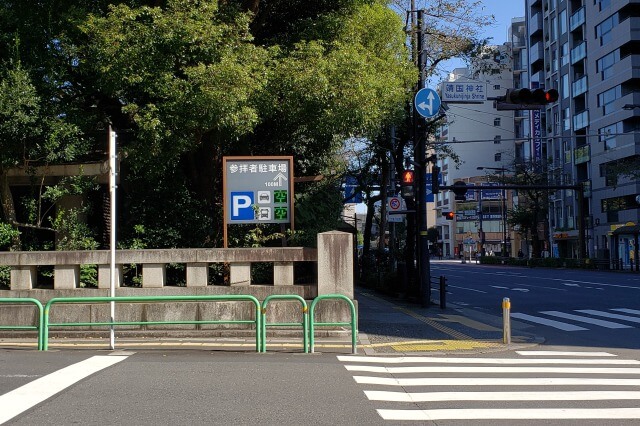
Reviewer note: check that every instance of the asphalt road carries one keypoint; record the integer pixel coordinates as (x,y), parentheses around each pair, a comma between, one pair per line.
(564,306)
(584,371)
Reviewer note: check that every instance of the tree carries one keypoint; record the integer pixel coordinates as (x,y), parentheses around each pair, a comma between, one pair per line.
(185,82)
(530,214)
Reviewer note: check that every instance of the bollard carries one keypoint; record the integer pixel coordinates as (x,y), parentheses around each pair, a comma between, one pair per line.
(506,321)
(443,292)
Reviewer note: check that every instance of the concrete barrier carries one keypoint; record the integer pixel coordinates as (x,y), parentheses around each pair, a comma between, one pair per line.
(334,259)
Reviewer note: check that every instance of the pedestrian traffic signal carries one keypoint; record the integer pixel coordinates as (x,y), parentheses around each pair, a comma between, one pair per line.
(435,179)
(449,215)
(526,99)
(407,184)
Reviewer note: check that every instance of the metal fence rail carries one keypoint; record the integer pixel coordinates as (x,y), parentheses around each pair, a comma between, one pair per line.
(304,323)
(38,326)
(353,323)
(46,324)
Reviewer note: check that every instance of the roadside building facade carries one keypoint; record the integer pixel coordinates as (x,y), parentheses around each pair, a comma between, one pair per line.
(589,50)
(484,141)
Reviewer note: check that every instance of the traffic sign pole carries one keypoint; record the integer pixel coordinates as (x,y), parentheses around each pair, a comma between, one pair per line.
(427,105)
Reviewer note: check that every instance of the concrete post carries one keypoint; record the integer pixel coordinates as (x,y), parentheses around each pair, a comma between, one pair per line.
(24,277)
(154,275)
(282,273)
(197,274)
(240,274)
(335,263)
(104,276)
(66,276)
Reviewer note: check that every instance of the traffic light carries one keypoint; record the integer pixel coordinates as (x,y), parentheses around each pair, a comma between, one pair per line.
(435,179)
(449,215)
(460,189)
(407,184)
(526,99)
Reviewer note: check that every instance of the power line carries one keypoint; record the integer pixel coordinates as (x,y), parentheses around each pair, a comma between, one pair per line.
(528,138)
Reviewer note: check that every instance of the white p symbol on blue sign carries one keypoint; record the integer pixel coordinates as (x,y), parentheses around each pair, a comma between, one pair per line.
(241,206)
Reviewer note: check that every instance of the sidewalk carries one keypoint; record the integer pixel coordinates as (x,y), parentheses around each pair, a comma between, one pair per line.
(386,326)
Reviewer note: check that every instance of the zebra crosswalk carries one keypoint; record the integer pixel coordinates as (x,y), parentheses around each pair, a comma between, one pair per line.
(535,385)
(583,319)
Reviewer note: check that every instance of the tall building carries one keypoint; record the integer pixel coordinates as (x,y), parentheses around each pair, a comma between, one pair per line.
(484,138)
(589,50)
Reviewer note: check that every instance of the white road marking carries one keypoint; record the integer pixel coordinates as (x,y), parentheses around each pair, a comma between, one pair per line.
(627,311)
(502,361)
(392,396)
(495,381)
(512,414)
(551,323)
(609,315)
(23,398)
(580,318)
(562,353)
(466,288)
(496,369)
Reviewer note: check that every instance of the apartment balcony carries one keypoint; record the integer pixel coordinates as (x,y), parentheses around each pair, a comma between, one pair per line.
(581,154)
(535,24)
(629,29)
(577,19)
(579,87)
(579,52)
(627,68)
(536,53)
(581,120)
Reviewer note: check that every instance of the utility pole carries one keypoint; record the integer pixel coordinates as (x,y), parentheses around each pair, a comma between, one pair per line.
(424,270)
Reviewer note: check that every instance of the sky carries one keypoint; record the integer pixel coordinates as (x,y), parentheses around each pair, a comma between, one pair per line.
(503,11)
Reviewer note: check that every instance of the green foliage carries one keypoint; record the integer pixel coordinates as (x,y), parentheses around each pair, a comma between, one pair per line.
(317,210)
(88,276)
(184,83)
(7,234)
(5,276)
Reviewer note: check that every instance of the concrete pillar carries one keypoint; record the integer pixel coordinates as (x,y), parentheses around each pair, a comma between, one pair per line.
(104,276)
(154,275)
(24,277)
(66,276)
(240,274)
(197,274)
(335,263)
(282,273)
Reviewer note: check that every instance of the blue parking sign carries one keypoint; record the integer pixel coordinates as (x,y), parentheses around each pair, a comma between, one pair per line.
(242,206)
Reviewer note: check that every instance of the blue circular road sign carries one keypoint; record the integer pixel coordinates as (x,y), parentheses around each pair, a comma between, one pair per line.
(427,102)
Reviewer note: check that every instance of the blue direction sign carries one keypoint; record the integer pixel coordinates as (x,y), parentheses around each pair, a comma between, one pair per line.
(427,102)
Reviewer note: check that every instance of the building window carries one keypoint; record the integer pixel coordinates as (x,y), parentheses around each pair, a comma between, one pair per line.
(566,119)
(497,157)
(606,63)
(603,4)
(496,122)
(497,139)
(562,20)
(496,87)
(564,52)
(607,135)
(565,86)
(606,99)
(608,173)
(603,30)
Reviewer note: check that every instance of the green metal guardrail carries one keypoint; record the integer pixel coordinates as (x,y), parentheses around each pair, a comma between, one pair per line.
(304,323)
(149,299)
(38,327)
(353,323)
